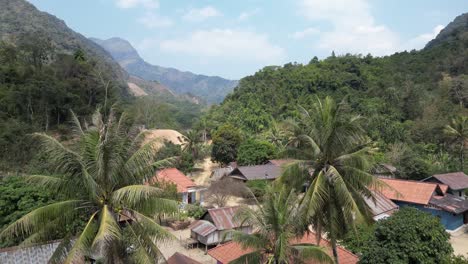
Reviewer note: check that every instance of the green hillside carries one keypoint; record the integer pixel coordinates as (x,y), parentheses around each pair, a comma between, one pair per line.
(407,98)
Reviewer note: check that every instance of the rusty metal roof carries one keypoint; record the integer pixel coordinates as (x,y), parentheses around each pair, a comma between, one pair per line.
(202,227)
(450,203)
(380,204)
(223,218)
(455,180)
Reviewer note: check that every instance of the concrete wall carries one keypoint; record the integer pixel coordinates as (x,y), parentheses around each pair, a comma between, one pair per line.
(449,220)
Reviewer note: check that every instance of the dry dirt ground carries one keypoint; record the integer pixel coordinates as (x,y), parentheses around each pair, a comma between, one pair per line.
(164,134)
(202,176)
(459,241)
(136,90)
(177,245)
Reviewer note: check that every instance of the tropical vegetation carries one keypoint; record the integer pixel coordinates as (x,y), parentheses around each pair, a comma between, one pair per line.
(100,177)
(276,229)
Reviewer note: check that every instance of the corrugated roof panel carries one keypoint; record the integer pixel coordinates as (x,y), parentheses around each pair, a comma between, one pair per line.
(223,218)
(202,227)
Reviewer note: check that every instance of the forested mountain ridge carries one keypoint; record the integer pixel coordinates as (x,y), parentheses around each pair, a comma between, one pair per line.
(19,18)
(406,99)
(213,89)
(47,70)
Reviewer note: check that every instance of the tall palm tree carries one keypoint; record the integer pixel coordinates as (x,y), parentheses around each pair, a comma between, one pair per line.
(276,227)
(334,159)
(457,131)
(100,177)
(191,141)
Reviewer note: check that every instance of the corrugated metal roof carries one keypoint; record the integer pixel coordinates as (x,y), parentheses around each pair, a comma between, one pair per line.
(455,180)
(380,204)
(450,203)
(202,227)
(257,172)
(223,218)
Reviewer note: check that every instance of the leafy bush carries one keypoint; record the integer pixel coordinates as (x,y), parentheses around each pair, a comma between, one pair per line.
(254,152)
(258,188)
(196,211)
(408,236)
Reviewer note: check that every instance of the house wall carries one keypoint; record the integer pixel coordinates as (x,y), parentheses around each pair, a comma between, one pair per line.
(449,220)
(210,239)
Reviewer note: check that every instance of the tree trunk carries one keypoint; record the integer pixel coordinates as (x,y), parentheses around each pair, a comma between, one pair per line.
(335,251)
(462,150)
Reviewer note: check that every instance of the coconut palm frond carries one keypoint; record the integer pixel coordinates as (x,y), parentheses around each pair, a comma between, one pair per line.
(109,229)
(61,252)
(38,218)
(148,226)
(311,252)
(82,245)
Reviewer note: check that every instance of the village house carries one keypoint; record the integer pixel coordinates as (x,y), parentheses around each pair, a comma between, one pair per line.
(456,181)
(190,192)
(225,253)
(215,225)
(256,172)
(429,197)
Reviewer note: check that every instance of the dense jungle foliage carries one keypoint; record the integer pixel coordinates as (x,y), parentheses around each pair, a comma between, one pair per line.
(39,87)
(407,99)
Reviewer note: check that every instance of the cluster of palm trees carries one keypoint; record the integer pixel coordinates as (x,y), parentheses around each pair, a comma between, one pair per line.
(334,159)
(100,177)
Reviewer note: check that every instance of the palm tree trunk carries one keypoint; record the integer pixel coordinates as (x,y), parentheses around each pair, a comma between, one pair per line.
(335,251)
(462,146)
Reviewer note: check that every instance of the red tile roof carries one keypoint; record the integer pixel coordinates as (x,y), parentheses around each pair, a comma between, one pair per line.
(179,258)
(411,191)
(175,176)
(223,218)
(230,251)
(455,180)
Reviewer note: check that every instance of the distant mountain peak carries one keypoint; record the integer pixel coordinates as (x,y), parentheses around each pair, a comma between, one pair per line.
(455,30)
(212,89)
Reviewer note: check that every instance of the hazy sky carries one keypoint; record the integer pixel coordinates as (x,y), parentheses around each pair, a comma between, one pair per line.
(233,39)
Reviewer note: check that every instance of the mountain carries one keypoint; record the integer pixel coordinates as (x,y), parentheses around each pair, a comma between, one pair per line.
(457,30)
(20,18)
(213,89)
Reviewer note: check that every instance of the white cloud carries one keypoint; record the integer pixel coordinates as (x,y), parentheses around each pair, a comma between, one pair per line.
(305,33)
(354,28)
(200,14)
(229,44)
(134,3)
(245,15)
(152,20)
(420,41)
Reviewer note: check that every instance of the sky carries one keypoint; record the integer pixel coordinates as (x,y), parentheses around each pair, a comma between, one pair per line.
(233,39)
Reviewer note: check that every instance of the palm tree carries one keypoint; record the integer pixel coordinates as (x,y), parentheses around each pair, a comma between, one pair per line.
(276,228)
(334,159)
(191,141)
(457,131)
(100,178)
